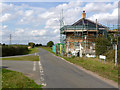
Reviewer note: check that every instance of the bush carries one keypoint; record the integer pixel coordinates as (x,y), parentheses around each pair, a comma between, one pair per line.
(14,50)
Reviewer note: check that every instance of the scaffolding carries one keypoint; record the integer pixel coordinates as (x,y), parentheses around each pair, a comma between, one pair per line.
(83,35)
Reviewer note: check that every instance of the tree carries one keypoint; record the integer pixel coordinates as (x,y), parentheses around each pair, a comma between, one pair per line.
(31,44)
(38,45)
(3,44)
(50,43)
(102,45)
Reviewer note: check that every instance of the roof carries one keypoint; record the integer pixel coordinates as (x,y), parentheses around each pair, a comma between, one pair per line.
(88,22)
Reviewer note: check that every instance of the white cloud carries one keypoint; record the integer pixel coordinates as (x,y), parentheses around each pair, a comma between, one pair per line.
(45,22)
(38,32)
(2,27)
(5,17)
(111,18)
(29,12)
(95,7)
(6,7)
(47,14)
(5,26)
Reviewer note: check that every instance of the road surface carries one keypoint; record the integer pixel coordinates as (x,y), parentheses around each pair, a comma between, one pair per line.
(55,72)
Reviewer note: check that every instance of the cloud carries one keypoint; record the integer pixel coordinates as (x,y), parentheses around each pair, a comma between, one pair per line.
(41,25)
(38,32)
(5,17)
(111,18)
(95,7)
(5,26)
(47,14)
(2,27)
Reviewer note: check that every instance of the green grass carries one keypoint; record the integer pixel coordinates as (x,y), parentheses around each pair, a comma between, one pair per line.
(13,79)
(33,50)
(106,70)
(0,79)
(24,58)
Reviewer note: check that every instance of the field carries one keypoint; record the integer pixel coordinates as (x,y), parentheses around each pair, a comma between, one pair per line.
(13,79)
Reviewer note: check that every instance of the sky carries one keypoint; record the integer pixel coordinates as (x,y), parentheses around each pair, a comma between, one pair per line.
(38,22)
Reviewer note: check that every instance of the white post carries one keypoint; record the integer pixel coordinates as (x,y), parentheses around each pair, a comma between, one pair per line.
(85,45)
(115,54)
(67,46)
(80,50)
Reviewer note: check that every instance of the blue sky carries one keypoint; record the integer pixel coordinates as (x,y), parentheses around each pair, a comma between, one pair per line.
(39,21)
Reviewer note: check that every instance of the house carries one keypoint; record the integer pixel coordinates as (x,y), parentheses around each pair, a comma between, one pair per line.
(82,33)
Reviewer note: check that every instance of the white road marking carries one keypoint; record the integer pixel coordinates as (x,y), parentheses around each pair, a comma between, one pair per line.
(41,73)
(34,66)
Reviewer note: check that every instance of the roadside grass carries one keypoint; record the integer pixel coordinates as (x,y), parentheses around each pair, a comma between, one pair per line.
(106,70)
(0,79)
(13,79)
(47,48)
(119,74)
(33,50)
(23,58)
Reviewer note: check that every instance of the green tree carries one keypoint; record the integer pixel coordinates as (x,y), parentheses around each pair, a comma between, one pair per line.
(50,43)
(31,44)
(102,44)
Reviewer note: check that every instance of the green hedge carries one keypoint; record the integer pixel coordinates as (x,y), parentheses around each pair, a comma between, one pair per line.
(14,50)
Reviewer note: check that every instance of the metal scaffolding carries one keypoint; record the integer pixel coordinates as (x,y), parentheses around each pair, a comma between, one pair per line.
(86,33)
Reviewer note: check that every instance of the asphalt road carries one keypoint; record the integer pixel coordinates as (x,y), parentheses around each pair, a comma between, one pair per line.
(26,67)
(54,72)
(60,74)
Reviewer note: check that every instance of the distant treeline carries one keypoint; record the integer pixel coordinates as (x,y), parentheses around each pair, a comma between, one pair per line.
(12,50)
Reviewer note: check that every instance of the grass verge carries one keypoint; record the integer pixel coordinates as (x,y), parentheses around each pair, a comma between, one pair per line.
(24,58)
(106,70)
(13,79)
(33,50)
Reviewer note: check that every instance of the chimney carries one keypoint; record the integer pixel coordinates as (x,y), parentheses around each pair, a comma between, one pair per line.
(83,14)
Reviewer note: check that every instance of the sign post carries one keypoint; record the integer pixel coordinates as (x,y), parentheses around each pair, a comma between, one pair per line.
(115,54)
(80,50)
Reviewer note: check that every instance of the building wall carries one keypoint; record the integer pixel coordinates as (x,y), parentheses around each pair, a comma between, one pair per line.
(79,39)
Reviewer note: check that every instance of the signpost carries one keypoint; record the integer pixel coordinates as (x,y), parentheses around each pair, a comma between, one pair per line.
(115,54)
(102,57)
(80,50)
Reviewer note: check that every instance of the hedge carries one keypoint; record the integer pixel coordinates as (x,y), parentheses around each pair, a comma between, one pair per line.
(14,50)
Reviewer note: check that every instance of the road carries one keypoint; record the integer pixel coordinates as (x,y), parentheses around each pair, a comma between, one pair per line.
(59,73)
(55,72)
